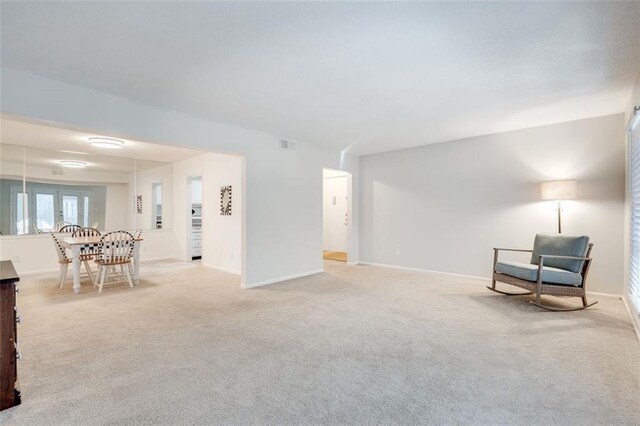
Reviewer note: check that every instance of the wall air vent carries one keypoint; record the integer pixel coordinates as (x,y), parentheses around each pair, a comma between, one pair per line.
(288,145)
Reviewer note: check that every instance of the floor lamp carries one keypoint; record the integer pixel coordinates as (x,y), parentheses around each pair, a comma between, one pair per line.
(559,190)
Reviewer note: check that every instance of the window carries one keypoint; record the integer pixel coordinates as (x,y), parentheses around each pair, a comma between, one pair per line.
(634,192)
(22,217)
(85,216)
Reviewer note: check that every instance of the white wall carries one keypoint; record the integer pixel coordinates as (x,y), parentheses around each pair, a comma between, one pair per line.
(221,235)
(443,207)
(142,183)
(335,215)
(117,201)
(36,253)
(283,203)
(634,100)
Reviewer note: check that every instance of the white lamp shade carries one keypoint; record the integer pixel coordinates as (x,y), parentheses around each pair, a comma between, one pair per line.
(559,190)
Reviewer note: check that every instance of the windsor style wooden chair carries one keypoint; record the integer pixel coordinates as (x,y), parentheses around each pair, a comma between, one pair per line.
(64,261)
(115,248)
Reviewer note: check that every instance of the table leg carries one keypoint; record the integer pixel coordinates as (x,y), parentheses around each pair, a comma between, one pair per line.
(136,263)
(75,250)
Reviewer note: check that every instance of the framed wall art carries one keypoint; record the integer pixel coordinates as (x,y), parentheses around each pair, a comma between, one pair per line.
(139,204)
(225,200)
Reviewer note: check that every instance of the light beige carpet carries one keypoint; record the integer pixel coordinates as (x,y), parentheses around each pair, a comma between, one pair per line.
(355,345)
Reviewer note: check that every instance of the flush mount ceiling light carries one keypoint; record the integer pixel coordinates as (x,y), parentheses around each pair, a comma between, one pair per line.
(73,164)
(108,143)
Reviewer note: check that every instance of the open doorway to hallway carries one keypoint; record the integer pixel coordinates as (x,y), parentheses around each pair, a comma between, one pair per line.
(195,207)
(335,218)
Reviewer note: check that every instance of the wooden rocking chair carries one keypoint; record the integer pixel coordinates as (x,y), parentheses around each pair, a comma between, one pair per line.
(559,266)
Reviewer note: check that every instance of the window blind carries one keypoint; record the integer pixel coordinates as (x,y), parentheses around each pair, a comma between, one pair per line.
(634,193)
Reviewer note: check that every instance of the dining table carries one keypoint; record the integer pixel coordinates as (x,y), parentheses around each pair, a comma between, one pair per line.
(89,245)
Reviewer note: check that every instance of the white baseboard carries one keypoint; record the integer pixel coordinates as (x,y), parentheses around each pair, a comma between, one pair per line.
(42,271)
(280,279)
(594,293)
(406,268)
(222,269)
(154,259)
(475,277)
(635,319)
(56,270)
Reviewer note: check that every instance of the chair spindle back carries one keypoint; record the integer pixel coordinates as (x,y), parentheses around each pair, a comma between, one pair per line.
(70,228)
(86,232)
(116,247)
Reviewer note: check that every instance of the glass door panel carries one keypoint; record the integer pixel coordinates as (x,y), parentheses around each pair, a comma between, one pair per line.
(45,211)
(70,209)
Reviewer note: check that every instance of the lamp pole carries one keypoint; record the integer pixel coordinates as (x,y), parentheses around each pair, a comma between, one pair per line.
(559,217)
(557,191)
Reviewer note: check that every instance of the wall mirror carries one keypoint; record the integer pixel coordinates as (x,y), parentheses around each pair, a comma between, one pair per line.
(51,176)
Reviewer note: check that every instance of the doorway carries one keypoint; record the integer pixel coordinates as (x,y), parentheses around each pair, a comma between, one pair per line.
(194,238)
(335,217)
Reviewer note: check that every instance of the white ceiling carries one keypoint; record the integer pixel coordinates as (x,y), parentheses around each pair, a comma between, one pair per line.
(47,146)
(369,76)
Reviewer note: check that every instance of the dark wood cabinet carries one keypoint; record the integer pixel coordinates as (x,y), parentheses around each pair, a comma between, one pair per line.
(9,392)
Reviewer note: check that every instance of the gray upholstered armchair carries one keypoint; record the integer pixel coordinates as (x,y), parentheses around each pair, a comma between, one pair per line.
(558,267)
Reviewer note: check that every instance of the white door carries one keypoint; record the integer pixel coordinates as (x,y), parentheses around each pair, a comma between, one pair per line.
(335,218)
(69,208)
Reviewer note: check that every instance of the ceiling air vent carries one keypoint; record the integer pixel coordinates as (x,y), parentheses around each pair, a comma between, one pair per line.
(288,145)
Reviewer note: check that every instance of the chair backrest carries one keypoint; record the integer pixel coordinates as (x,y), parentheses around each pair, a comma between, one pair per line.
(70,228)
(59,225)
(560,245)
(86,232)
(116,246)
(138,233)
(61,252)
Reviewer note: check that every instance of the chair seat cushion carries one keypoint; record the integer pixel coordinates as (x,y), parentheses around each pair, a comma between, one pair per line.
(529,272)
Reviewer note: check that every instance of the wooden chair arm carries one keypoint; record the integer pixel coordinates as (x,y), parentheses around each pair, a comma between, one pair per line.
(499,249)
(563,257)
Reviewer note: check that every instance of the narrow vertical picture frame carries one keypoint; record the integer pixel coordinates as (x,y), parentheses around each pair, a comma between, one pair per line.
(225,200)
(138,204)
